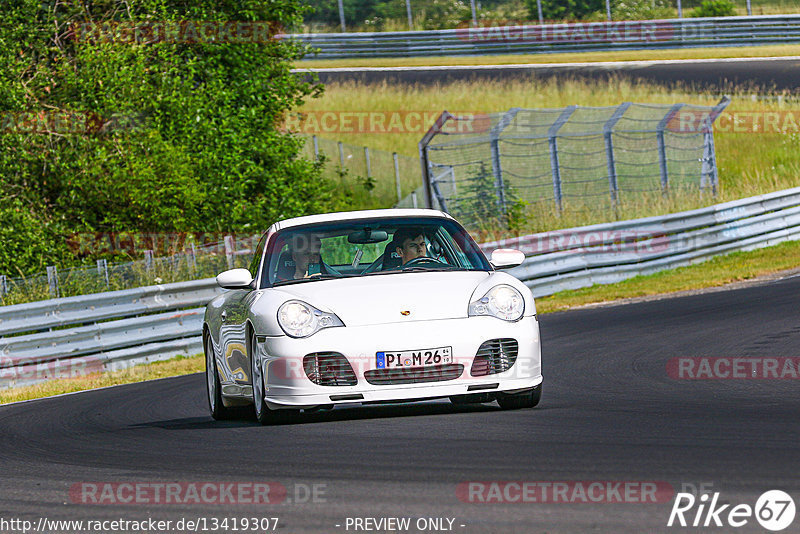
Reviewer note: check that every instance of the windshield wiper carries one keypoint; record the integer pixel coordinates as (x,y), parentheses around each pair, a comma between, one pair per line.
(418,268)
(310,279)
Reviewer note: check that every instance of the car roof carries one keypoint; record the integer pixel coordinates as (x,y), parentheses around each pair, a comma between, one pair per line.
(355,215)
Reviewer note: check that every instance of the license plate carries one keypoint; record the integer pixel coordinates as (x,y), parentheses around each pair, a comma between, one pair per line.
(414,358)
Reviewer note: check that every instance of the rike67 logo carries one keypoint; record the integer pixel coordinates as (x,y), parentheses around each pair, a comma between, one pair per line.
(774,510)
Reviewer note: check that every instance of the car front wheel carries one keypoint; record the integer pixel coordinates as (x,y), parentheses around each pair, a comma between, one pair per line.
(515,401)
(264,414)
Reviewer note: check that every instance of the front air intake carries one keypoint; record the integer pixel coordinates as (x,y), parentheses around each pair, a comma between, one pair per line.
(329,369)
(495,356)
(414,375)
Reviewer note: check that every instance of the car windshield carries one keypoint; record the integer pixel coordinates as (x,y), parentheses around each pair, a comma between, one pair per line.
(370,247)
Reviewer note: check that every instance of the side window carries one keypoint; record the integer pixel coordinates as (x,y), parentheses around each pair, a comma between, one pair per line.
(257,256)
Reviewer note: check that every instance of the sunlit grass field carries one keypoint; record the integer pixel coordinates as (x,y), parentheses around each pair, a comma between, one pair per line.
(749,163)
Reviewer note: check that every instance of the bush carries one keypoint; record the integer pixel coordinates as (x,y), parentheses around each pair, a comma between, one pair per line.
(564,9)
(715,8)
(641,9)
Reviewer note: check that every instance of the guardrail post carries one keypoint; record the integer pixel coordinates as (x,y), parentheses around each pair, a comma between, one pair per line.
(414,198)
(608,128)
(316,147)
(555,166)
(341,156)
(680,10)
(3,285)
(229,249)
(102,270)
(148,260)
(397,176)
(662,147)
(52,280)
(366,159)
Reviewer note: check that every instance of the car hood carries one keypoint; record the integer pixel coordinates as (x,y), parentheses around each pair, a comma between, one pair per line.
(380,299)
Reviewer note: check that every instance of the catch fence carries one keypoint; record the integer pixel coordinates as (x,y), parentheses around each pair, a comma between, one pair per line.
(525,162)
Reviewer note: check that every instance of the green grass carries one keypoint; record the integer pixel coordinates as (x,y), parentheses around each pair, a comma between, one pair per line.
(714,272)
(571,57)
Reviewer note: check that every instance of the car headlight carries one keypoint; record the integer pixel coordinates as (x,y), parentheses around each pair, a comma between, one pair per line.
(503,302)
(300,319)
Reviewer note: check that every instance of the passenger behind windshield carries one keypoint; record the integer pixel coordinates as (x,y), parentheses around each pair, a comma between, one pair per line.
(306,260)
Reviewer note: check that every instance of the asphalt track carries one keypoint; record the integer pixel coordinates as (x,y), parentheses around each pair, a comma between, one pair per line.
(610,412)
(732,75)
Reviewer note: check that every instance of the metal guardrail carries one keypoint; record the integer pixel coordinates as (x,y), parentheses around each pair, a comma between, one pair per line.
(607,253)
(101,332)
(573,37)
(154,323)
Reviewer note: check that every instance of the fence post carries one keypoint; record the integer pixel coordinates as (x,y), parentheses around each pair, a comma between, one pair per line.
(316,147)
(610,162)
(709,166)
(497,169)
(102,270)
(341,156)
(148,260)
(52,280)
(397,176)
(229,249)
(3,285)
(680,10)
(366,159)
(193,257)
(414,198)
(555,167)
(435,128)
(662,147)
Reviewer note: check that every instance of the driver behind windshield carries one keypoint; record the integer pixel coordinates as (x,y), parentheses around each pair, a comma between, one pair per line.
(410,244)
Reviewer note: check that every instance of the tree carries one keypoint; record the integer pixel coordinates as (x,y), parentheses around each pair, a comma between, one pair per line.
(163,132)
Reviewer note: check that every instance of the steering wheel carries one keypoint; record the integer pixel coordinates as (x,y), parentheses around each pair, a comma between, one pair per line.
(422,259)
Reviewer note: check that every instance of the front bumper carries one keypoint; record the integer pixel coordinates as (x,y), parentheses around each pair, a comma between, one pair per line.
(287,386)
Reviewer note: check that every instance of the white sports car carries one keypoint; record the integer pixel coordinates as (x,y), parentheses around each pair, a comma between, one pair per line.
(366,307)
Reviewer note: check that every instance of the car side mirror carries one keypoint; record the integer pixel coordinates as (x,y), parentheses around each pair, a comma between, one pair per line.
(503,258)
(235,279)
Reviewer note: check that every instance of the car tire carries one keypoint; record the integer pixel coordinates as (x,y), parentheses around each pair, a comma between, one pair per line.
(516,401)
(213,388)
(264,414)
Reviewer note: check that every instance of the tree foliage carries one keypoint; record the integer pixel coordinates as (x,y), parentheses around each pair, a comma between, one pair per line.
(170,135)
(565,9)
